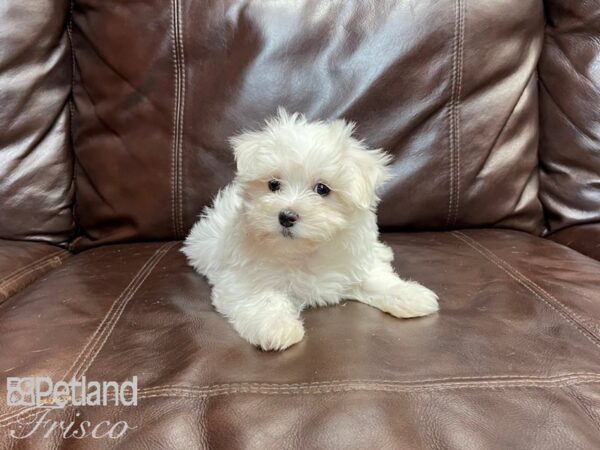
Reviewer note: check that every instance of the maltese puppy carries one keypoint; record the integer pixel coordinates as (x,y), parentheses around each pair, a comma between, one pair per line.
(297,228)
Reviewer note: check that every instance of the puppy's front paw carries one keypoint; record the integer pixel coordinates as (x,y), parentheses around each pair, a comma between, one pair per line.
(410,299)
(275,334)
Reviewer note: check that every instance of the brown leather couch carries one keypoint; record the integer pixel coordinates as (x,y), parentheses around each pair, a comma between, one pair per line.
(115,117)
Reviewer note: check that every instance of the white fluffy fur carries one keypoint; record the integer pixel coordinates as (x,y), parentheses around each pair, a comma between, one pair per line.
(262,279)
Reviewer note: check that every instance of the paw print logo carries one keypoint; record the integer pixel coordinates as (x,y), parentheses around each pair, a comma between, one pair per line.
(20,391)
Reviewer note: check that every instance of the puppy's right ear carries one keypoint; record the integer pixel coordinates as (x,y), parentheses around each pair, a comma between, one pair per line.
(245,150)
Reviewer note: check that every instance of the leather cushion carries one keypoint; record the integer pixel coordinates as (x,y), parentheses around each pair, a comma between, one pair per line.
(570,117)
(514,349)
(450,90)
(36,162)
(584,238)
(21,263)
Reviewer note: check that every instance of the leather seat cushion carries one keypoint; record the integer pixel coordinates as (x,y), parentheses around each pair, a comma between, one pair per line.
(22,262)
(583,238)
(511,360)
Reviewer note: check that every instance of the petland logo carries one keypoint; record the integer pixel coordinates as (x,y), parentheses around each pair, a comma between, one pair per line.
(43,394)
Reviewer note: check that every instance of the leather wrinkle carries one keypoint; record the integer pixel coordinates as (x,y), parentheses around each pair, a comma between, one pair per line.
(507,119)
(579,73)
(563,310)
(115,71)
(566,116)
(580,402)
(96,342)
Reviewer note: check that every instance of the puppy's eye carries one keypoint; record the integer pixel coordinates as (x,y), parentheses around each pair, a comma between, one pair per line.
(274,185)
(322,189)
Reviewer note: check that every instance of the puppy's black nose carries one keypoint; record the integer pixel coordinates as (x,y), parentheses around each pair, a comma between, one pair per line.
(287,218)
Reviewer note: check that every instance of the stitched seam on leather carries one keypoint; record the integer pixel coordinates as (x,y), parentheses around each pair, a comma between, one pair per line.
(18,273)
(489,378)
(106,319)
(548,294)
(344,388)
(339,386)
(314,387)
(569,310)
(450,112)
(174,138)
(365,388)
(6,289)
(177,144)
(174,132)
(576,317)
(141,276)
(457,108)
(93,345)
(181,120)
(565,312)
(581,403)
(405,384)
(453,114)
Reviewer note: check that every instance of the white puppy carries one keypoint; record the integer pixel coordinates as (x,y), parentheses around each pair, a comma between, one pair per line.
(297,228)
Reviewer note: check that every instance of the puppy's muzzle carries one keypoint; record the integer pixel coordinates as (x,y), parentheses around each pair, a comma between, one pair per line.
(287,218)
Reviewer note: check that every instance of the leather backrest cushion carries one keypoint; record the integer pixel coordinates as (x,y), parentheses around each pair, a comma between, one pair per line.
(569,72)
(449,88)
(36,163)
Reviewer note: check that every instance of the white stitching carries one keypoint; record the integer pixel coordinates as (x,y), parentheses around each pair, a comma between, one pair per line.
(174,145)
(181,118)
(178,115)
(454,113)
(8,288)
(450,114)
(559,381)
(108,322)
(27,268)
(524,278)
(53,262)
(104,323)
(362,386)
(149,266)
(444,380)
(457,148)
(529,285)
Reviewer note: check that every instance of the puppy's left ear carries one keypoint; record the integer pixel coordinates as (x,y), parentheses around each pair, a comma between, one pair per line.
(368,171)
